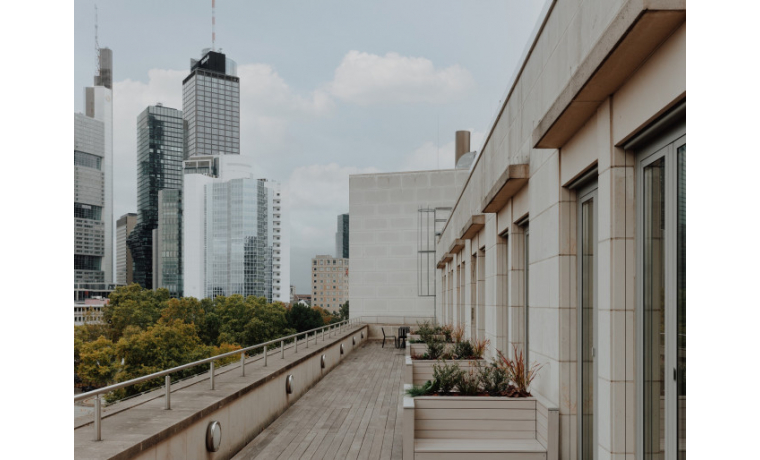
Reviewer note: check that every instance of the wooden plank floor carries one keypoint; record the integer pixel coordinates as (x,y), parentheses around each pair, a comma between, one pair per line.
(354,412)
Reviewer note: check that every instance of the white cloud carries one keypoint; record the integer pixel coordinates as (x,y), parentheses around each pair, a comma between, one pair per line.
(268,107)
(366,79)
(429,156)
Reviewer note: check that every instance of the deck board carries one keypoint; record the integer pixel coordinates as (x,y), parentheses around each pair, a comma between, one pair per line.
(353,412)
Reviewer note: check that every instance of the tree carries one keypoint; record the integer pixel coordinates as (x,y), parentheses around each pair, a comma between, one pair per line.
(268,321)
(234,315)
(97,362)
(163,345)
(303,318)
(344,311)
(133,305)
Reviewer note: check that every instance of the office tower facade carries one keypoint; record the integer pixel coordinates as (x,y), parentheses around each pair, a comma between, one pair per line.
(89,200)
(93,179)
(167,242)
(124,227)
(211,104)
(341,237)
(329,282)
(235,238)
(160,151)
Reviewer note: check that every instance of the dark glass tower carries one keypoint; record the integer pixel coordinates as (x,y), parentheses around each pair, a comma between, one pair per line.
(341,237)
(211,104)
(160,153)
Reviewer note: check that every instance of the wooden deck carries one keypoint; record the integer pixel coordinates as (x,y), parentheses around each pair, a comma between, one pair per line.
(354,412)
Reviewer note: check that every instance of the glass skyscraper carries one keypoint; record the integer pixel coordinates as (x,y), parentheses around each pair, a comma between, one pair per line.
(160,152)
(341,237)
(211,103)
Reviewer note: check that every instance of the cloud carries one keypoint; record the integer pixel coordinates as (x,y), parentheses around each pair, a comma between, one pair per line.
(429,156)
(268,107)
(366,79)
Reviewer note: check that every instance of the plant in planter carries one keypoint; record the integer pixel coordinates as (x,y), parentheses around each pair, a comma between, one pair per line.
(457,334)
(420,390)
(493,378)
(463,350)
(445,377)
(435,349)
(446,331)
(518,371)
(479,347)
(468,382)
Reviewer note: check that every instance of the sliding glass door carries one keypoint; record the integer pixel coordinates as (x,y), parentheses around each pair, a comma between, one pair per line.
(587,321)
(662,297)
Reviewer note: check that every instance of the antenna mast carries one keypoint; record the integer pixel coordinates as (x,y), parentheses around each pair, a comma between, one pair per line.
(213,25)
(97,47)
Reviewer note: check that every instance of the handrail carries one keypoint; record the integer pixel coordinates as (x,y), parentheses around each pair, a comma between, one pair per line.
(167,372)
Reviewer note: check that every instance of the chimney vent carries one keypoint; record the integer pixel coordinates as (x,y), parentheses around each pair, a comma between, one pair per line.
(462,145)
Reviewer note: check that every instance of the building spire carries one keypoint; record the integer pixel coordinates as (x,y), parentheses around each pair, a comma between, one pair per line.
(213,25)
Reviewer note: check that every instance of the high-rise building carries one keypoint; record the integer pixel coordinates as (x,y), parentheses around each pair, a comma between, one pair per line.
(341,237)
(235,237)
(329,282)
(93,179)
(211,104)
(160,153)
(124,227)
(167,242)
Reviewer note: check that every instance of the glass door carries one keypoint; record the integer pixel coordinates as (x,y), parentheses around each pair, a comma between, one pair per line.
(587,320)
(662,304)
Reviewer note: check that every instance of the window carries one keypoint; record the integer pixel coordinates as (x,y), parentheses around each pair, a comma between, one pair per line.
(587,321)
(661,299)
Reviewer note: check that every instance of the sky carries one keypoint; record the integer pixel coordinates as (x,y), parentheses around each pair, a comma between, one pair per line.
(328,88)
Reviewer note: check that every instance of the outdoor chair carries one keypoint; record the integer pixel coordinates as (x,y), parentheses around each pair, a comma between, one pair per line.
(402,333)
(395,339)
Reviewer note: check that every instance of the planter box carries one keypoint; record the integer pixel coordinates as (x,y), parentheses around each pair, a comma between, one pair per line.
(419,371)
(419,349)
(442,427)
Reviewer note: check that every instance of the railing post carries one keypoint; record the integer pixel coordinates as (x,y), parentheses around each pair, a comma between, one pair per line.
(97,417)
(282,349)
(242,364)
(307,340)
(295,341)
(168,397)
(212,375)
(323,334)
(265,356)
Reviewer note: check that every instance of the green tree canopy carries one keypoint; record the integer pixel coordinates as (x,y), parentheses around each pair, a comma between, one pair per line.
(135,306)
(97,362)
(303,318)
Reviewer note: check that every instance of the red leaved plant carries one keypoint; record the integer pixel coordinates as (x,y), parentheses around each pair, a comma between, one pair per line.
(518,371)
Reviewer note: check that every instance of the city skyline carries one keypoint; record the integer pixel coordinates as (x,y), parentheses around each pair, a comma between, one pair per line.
(317,127)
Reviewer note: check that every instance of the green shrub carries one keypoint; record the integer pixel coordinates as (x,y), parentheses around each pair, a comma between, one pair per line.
(463,350)
(493,378)
(435,349)
(446,376)
(468,382)
(421,390)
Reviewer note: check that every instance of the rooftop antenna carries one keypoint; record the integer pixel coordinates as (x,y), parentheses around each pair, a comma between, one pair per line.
(97,47)
(213,25)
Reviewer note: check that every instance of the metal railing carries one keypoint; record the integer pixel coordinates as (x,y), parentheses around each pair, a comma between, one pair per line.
(330,329)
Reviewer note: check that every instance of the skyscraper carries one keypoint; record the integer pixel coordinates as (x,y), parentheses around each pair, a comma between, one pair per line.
(159,166)
(235,237)
(341,237)
(93,179)
(211,103)
(124,227)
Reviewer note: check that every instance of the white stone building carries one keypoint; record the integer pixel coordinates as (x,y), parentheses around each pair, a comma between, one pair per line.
(567,239)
